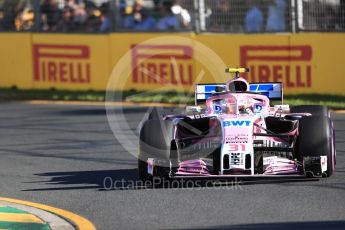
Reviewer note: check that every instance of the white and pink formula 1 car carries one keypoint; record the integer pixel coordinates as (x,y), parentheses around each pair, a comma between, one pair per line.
(232,131)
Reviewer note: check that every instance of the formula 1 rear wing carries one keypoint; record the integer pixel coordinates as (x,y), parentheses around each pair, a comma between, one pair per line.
(273,90)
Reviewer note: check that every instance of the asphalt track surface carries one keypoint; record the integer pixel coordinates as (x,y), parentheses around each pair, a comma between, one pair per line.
(59,155)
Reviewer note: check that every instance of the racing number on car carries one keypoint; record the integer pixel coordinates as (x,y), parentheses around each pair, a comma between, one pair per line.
(237,147)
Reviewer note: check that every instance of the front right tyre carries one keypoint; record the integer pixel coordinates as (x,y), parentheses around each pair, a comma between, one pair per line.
(316,138)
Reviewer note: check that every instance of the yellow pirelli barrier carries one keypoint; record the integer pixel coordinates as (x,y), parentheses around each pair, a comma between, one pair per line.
(305,63)
(15,60)
(153,61)
(72,62)
(325,67)
(45,61)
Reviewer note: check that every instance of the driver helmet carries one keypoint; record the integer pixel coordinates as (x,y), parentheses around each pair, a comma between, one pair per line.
(237,85)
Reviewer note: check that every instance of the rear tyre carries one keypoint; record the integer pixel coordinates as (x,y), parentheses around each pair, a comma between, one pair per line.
(315,110)
(316,139)
(155,142)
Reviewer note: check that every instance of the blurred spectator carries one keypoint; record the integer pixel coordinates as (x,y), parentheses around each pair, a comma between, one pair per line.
(130,14)
(168,20)
(25,20)
(24,16)
(16,15)
(72,4)
(221,18)
(341,15)
(181,13)
(165,15)
(1,18)
(92,20)
(80,15)
(76,16)
(147,22)
(276,16)
(254,19)
(67,23)
(51,15)
(139,19)
(105,25)
(8,14)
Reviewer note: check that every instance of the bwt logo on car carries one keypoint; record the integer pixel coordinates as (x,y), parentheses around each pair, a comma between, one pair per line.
(61,63)
(236,123)
(162,64)
(288,64)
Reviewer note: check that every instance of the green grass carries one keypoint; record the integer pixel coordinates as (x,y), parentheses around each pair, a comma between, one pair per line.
(15,94)
(164,97)
(332,101)
(53,94)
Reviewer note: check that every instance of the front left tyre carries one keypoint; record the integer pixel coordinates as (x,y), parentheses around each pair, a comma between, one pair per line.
(155,142)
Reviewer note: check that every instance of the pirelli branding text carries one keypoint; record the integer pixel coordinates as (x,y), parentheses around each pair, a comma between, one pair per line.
(61,63)
(162,65)
(290,65)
